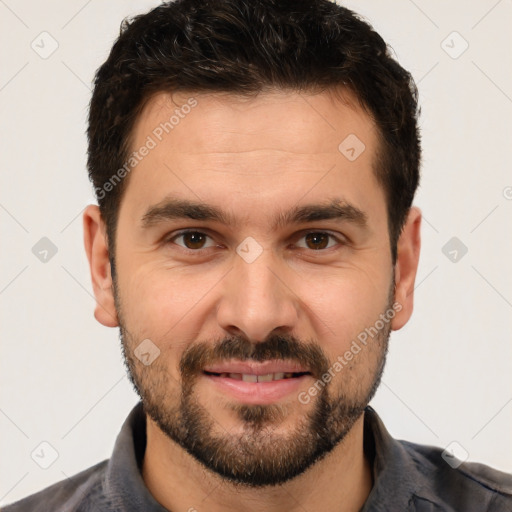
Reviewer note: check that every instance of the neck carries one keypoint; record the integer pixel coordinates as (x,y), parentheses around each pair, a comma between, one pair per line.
(340,481)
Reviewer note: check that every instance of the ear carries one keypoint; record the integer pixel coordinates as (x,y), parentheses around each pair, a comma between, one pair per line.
(408,255)
(95,241)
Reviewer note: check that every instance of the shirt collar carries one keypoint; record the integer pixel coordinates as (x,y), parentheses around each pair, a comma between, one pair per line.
(395,475)
(123,478)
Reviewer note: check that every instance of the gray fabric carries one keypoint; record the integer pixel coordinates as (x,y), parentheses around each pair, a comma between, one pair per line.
(407,477)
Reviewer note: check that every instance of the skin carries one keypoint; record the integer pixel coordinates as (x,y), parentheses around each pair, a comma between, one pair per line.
(253,158)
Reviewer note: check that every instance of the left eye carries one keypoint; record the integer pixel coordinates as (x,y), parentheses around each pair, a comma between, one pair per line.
(318,240)
(195,240)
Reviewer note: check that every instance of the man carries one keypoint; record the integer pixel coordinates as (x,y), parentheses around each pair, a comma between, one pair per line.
(255,164)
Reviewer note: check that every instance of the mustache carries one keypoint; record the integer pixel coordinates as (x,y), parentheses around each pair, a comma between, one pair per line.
(280,347)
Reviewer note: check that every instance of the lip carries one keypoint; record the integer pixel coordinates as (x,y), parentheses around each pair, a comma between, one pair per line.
(256,368)
(257,392)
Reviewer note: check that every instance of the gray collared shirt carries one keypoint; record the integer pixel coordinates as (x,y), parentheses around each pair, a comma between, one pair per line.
(407,477)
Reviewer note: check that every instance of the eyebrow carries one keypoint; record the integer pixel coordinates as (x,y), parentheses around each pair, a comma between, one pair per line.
(173,208)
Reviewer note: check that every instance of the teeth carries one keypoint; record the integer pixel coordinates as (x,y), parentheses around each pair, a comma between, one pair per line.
(246,377)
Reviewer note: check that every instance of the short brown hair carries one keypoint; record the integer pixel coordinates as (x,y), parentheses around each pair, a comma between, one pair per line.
(243,47)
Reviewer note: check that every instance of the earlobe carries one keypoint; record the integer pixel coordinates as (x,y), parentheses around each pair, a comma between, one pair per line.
(96,248)
(408,254)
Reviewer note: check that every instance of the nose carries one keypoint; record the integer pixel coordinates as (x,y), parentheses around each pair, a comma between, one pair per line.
(257,299)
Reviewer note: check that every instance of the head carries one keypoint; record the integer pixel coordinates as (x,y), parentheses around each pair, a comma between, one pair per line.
(282,136)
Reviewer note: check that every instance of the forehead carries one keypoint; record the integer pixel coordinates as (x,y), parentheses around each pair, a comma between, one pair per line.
(262,149)
(283,120)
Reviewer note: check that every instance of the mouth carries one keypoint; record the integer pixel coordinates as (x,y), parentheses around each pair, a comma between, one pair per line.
(249,377)
(257,383)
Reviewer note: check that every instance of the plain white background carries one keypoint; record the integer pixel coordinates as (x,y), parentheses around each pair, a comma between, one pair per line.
(62,380)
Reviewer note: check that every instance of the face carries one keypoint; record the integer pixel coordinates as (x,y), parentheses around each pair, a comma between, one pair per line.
(254,284)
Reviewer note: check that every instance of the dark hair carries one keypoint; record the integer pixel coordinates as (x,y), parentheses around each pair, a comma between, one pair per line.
(245,47)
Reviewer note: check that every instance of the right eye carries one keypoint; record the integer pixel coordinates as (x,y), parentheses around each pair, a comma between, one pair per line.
(192,240)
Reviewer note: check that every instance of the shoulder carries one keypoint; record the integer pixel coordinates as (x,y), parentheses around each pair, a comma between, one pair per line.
(468,486)
(70,494)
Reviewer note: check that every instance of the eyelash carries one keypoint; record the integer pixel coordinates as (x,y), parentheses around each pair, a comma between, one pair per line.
(198,251)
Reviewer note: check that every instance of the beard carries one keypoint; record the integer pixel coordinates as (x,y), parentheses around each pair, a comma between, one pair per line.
(257,454)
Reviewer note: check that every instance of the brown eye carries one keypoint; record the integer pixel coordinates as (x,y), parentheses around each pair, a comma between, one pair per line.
(192,240)
(318,240)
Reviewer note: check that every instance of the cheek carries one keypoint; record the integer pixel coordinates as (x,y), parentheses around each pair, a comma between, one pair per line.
(355,341)
(160,303)
(343,306)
